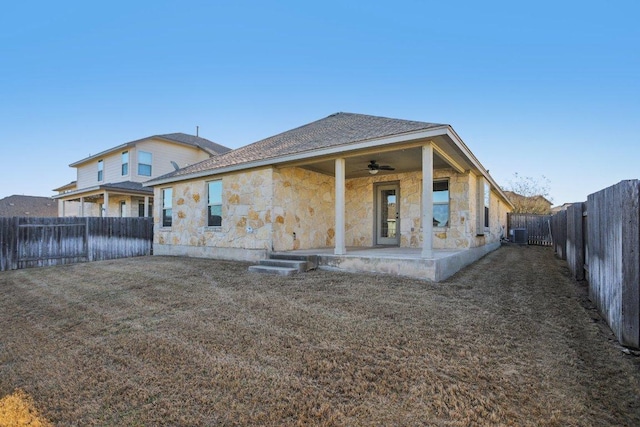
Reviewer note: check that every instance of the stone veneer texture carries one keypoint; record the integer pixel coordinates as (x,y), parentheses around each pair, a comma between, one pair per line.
(293,208)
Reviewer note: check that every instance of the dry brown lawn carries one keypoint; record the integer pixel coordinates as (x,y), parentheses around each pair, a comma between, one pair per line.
(174,341)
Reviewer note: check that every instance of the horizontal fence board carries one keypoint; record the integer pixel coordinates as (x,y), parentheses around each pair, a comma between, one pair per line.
(36,242)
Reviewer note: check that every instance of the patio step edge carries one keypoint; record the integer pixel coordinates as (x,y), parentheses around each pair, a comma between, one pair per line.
(311,260)
(281,271)
(300,266)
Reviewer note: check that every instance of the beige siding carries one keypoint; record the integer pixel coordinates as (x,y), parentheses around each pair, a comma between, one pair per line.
(162,154)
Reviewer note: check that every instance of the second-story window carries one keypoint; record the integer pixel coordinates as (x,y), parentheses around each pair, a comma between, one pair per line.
(144,163)
(125,163)
(100,170)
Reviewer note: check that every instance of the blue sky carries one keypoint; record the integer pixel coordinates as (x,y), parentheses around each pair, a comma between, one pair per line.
(539,88)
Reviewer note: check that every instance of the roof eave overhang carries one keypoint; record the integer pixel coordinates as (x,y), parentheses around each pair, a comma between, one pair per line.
(444,130)
(354,146)
(102,154)
(477,165)
(90,191)
(133,144)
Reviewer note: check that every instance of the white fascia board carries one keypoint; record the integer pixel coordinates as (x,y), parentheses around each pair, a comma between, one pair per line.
(476,163)
(101,154)
(371,143)
(132,144)
(76,192)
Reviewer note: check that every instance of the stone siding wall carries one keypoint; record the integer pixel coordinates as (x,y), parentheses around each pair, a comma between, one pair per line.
(293,208)
(246,213)
(360,210)
(303,209)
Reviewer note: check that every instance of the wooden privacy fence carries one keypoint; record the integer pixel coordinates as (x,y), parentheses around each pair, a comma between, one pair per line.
(36,242)
(600,240)
(538,227)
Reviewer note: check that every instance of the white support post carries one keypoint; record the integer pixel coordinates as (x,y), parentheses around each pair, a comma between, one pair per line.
(81,207)
(106,205)
(146,206)
(427,200)
(340,247)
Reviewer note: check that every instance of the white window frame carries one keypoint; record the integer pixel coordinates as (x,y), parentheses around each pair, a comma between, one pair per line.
(447,203)
(167,207)
(125,163)
(487,205)
(100,170)
(141,164)
(214,203)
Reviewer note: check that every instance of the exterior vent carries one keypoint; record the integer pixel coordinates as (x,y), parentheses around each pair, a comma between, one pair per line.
(520,236)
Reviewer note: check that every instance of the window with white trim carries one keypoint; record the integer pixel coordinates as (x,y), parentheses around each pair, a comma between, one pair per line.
(487,203)
(100,170)
(167,204)
(144,163)
(441,203)
(214,203)
(125,163)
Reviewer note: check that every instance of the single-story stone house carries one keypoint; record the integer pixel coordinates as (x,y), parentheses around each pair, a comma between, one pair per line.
(365,193)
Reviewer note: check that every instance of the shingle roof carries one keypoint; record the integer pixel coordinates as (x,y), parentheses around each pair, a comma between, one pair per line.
(17,205)
(334,130)
(210,147)
(202,143)
(128,186)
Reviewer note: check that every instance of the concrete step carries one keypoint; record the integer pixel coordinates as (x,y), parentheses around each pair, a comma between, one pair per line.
(312,260)
(269,269)
(300,266)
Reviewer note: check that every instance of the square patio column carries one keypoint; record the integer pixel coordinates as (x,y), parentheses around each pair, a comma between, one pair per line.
(106,205)
(146,206)
(427,200)
(340,247)
(81,207)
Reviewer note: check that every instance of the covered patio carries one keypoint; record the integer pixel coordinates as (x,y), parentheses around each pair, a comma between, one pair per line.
(107,200)
(399,261)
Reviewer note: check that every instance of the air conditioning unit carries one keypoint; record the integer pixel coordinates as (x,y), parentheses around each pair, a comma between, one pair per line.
(520,236)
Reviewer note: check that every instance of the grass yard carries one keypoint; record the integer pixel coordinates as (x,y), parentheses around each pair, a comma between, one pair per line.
(510,340)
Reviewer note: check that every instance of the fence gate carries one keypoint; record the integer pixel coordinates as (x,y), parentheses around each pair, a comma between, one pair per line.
(538,227)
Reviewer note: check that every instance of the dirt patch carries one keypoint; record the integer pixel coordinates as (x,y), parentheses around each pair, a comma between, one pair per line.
(157,340)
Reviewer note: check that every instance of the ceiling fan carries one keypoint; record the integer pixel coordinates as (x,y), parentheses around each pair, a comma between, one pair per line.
(375,167)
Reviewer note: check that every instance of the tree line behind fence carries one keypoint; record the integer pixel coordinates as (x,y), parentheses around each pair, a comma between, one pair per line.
(36,242)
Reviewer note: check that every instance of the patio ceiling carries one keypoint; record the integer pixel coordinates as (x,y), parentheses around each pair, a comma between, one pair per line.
(407,158)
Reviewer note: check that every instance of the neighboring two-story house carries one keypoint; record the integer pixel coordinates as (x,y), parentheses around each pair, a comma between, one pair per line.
(109,183)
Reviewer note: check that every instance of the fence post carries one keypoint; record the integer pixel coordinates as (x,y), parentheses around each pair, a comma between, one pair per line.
(630,263)
(13,241)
